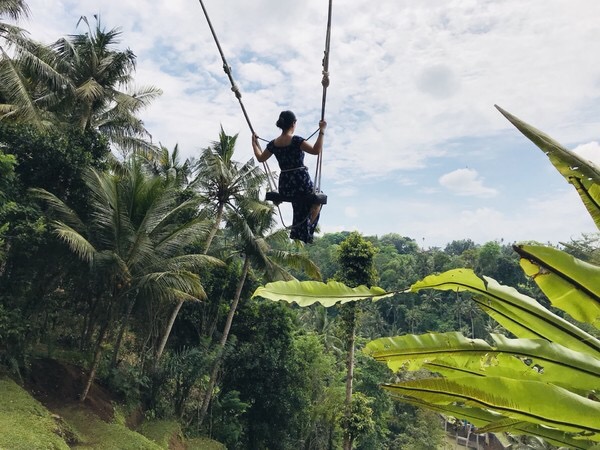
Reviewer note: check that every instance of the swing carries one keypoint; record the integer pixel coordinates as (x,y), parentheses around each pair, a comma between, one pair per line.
(272,195)
(316,198)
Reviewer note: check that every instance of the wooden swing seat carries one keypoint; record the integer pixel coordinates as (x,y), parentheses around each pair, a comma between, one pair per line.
(318,198)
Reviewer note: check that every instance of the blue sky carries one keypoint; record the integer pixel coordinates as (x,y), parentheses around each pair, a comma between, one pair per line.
(414,144)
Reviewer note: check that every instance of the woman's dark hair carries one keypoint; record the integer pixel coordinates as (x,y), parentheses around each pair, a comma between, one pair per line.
(286,120)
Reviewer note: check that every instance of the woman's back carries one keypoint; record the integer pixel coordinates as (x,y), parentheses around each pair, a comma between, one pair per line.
(289,156)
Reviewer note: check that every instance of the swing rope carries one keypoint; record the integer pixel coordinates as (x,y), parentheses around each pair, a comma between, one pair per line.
(325,84)
(238,95)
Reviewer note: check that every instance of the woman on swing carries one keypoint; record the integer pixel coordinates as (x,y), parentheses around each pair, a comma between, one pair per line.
(294,180)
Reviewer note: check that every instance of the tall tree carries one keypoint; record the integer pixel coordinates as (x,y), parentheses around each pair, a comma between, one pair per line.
(7,176)
(35,261)
(134,244)
(10,36)
(26,70)
(356,269)
(168,164)
(100,94)
(260,249)
(222,184)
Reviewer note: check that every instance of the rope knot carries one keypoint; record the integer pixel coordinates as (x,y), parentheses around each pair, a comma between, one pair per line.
(226,69)
(237,92)
(325,80)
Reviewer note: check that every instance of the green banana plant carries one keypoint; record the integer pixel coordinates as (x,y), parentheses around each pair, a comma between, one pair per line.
(489,422)
(306,293)
(543,382)
(546,382)
(453,355)
(582,174)
(548,378)
(569,283)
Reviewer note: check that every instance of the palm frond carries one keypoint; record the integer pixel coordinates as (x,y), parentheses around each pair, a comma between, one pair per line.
(13,85)
(14,9)
(89,91)
(192,262)
(58,208)
(173,239)
(76,242)
(165,282)
(296,261)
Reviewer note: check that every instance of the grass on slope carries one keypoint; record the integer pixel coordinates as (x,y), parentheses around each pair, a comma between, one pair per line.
(168,435)
(25,423)
(163,432)
(94,433)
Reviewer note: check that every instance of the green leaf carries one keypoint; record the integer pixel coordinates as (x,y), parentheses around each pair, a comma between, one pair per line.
(529,401)
(453,355)
(59,209)
(411,351)
(518,313)
(569,283)
(76,242)
(306,293)
(487,421)
(582,174)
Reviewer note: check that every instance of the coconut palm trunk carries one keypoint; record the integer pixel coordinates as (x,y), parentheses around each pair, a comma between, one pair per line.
(96,361)
(167,332)
(351,337)
(115,355)
(223,341)
(356,262)
(175,313)
(215,228)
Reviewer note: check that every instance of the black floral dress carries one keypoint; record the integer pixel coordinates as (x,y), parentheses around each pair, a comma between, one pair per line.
(295,183)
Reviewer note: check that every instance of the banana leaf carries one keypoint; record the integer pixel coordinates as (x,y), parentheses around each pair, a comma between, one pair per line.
(569,283)
(490,422)
(582,174)
(306,293)
(410,351)
(453,355)
(518,313)
(529,401)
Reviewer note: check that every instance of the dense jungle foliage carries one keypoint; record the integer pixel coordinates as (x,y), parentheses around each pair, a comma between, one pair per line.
(118,256)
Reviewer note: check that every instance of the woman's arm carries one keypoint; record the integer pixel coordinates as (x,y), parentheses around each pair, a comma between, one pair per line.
(318,147)
(260,155)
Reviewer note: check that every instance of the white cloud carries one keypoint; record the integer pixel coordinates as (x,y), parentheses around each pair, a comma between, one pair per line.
(265,74)
(466,182)
(589,151)
(408,81)
(547,217)
(405,77)
(439,81)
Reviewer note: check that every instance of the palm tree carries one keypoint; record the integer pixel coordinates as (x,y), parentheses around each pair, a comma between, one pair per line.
(221,184)
(133,240)
(99,95)
(262,250)
(10,36)
(317,319)
(14,9)
(356,268)
(26,70)
(168,165)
